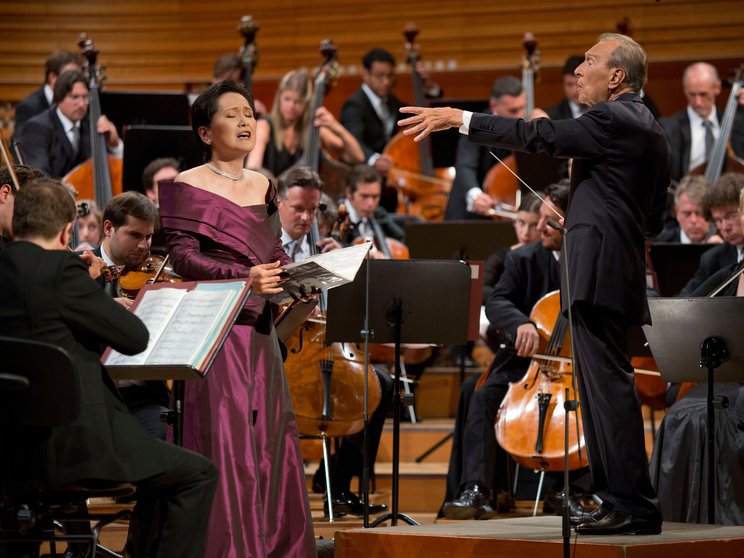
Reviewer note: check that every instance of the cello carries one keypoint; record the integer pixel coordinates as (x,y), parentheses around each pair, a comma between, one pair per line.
(326,380)
(422,189)
(100,177)
(499,183)
(531,419)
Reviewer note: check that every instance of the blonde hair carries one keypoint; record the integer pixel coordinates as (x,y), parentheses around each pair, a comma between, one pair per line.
(299,82)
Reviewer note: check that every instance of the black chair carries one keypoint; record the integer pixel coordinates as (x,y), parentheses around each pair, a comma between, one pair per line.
(39,390)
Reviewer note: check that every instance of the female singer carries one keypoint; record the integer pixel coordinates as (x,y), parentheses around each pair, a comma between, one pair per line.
(282,135)
(221,222)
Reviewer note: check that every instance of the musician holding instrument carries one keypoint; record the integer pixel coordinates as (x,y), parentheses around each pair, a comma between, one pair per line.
(371,113)
(299,193)
(282,136)
(57,62)
(221,222)
(367,219)
(721,207)
(478,466)
(468,200)
(693,131)
(619,180)
(57,140)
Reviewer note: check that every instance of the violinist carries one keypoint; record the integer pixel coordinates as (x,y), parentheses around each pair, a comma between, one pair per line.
(477,479)
(282,136)
(371,113)
(467,200)
(299,191)
(57,140)
(693,131)
(721,206)
(37,102)
(619,179)
(129,221)
(7,197)
(691,225)
(367,219)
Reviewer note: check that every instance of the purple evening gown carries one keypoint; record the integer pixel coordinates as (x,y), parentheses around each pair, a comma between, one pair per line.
(241,415)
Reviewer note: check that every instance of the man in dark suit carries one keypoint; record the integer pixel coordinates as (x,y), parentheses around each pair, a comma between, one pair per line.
(7,197)
(371,113)
(690,225)
(57,140)
(569,106)
(721,206)
(467,200)
(692,132)
(619,179)
(37,102)
(47,295)
(477,463)
(129,222)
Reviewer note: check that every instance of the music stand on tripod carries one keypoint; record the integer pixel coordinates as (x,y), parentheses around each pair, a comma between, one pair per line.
(410,301)
(696,340)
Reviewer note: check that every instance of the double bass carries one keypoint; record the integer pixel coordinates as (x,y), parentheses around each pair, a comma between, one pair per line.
(422,189)
(249,52)
(100,177)
(326,380)
(499,182)
(531,420)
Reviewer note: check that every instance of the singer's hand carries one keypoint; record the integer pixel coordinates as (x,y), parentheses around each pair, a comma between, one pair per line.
(527,340)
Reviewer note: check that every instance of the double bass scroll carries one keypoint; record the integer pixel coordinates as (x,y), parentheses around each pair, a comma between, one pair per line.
(249,52)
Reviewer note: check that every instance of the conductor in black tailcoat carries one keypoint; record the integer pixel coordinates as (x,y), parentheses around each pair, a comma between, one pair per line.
(619,180)
(46,294)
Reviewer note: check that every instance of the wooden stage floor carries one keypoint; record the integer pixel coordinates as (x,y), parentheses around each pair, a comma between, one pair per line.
(534,537)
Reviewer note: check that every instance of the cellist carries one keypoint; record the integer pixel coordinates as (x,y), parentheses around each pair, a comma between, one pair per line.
(56,141)
(298,194)
(477,463)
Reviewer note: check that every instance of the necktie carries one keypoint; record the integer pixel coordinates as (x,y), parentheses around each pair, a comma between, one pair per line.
(295,250)
(75,139)
(386,117)
(709,139)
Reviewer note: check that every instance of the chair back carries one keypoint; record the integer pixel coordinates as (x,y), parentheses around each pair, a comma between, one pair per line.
(38,383)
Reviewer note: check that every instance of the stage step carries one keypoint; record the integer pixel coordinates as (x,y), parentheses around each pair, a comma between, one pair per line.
(438,391)
(416,439)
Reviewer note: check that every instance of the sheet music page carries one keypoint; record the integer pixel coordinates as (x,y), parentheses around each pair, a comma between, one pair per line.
(192,326)
(233,291)
(155,309)
(322,271)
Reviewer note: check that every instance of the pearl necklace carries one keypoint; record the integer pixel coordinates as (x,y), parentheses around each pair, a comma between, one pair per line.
(226,174)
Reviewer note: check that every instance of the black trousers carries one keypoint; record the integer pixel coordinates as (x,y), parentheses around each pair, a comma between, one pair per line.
(611,413)
(348,460)
(147,403)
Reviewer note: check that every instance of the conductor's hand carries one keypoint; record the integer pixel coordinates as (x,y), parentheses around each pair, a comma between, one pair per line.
(265,278)
(527,340)
(427,120)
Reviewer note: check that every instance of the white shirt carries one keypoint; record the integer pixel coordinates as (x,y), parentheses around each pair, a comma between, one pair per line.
(364,227)
(48,93)
(697,136)
(67,125)
(386,119)
(288,244)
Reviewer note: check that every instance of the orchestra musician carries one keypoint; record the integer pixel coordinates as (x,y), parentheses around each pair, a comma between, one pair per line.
(371,113)
(162,168)
(7,197)
(477,479)
(57,140)
(367,219)
(691,225)
(721,206)
(693,131)
(221,222)
(467,200)
(299,193)
(619,179)
(129,222)
(569,106)
(282,136)
(40,100)
(47,295)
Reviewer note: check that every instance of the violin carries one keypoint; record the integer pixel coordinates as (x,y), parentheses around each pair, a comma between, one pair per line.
(422,189)
(154,269)
(100,177)
(530,422)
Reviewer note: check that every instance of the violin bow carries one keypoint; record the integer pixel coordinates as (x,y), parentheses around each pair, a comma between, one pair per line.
(9,163)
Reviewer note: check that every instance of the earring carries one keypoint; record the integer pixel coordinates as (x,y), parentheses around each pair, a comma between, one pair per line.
(208,141)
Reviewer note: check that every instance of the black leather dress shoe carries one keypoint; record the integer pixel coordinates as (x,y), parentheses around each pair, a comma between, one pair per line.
(473,502)
(590,517)
(619,523)
(347,503)
(555,503)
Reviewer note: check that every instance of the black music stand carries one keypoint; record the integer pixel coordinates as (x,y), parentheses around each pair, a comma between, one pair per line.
(142,144)
(127,108)
(458,240)
(675,264)
(411,301)
(706,332)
